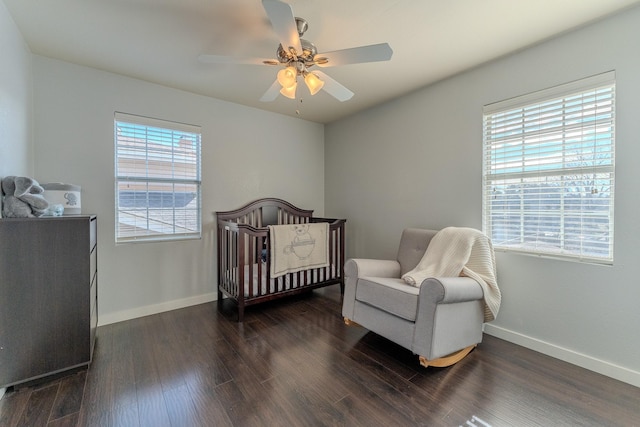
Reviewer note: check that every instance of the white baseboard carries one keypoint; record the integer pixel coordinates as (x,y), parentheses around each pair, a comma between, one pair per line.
(600,366)
(134,313)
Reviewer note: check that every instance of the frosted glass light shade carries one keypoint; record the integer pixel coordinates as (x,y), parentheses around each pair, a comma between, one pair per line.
(287,77)
(313,83)
(289,92)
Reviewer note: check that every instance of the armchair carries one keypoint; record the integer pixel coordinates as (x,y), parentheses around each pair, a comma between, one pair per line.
(440,319)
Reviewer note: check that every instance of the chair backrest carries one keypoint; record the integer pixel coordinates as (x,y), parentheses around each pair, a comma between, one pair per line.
(413,244)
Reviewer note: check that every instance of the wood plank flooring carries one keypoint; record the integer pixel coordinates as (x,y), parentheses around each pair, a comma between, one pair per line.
(295,363)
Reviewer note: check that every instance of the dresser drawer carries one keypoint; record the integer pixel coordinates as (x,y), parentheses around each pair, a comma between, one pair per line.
(94,290)
(93,326)
(93,233)
(93,263)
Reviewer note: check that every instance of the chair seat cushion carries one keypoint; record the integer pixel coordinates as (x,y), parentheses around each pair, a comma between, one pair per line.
(389,294)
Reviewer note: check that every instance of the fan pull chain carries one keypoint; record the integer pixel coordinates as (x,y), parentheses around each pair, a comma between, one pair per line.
(298,110)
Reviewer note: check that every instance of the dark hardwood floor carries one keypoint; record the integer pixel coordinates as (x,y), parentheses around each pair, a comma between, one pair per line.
(294,363)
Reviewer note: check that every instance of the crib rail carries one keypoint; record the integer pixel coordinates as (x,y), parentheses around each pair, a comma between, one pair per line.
(269,211)
(244,257)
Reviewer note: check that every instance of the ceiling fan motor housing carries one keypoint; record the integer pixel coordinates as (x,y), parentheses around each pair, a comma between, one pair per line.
(301,25)
(308,52)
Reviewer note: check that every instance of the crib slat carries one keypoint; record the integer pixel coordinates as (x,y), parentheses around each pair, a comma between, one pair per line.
(250,263)
(259,262)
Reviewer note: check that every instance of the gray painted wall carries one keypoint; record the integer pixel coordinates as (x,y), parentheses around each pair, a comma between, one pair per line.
(417,162)
(15,103)
(245,155)
(15,100)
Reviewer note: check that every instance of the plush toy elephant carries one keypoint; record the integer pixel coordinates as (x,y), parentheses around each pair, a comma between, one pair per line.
(22,197)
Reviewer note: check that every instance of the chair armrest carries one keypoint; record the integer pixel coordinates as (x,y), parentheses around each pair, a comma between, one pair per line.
(449,290)
(355,268)
(360,267)
(449,316)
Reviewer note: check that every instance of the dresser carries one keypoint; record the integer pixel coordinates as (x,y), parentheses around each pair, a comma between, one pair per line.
(48,295)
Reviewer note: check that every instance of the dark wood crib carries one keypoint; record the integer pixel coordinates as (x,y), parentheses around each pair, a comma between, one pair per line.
(244,254)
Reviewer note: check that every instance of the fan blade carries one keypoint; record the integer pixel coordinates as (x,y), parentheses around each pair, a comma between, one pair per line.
(355,55)
(272,93)
(219,59)
(284,24)
(334,88)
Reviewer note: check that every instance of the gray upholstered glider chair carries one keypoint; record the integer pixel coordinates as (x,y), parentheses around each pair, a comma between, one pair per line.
(439,319)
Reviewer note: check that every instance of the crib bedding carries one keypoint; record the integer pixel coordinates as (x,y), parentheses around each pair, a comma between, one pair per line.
(298,247)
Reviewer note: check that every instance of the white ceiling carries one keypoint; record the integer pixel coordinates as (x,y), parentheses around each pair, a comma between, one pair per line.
(159,41)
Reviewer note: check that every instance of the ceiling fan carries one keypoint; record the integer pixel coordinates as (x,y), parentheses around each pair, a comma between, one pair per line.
(297,56)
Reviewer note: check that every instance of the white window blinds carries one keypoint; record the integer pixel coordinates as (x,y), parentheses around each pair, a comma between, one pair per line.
(157,169)
(548,184)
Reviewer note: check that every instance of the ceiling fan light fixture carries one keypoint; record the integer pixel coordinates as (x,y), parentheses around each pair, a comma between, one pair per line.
(287,77)
(297,55)
(313,83)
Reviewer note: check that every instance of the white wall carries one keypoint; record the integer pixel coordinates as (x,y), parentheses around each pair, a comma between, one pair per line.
(416,161)
(246,154)
(15,100)
(15,103)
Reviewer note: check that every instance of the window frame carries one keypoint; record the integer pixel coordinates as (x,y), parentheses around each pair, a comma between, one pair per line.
(166,229)
(537,176)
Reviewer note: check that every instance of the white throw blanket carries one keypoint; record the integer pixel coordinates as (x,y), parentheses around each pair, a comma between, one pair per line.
(457,251)
(297,247)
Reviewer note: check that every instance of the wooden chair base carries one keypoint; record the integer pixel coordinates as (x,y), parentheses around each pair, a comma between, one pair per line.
(349,322)
(440,362)
(449,360)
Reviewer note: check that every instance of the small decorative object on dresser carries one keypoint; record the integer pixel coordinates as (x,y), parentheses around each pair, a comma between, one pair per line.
(67,195)
(48,295)
(22,197)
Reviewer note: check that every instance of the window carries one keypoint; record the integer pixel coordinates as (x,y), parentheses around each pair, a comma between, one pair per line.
(549,171)
(157,169)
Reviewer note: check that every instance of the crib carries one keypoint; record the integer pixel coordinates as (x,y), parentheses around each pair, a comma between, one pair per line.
(244,254)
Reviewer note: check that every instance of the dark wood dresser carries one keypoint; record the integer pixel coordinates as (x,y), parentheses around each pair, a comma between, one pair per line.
(48,295)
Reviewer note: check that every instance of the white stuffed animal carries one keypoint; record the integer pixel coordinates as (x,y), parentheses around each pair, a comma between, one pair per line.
(22,197)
